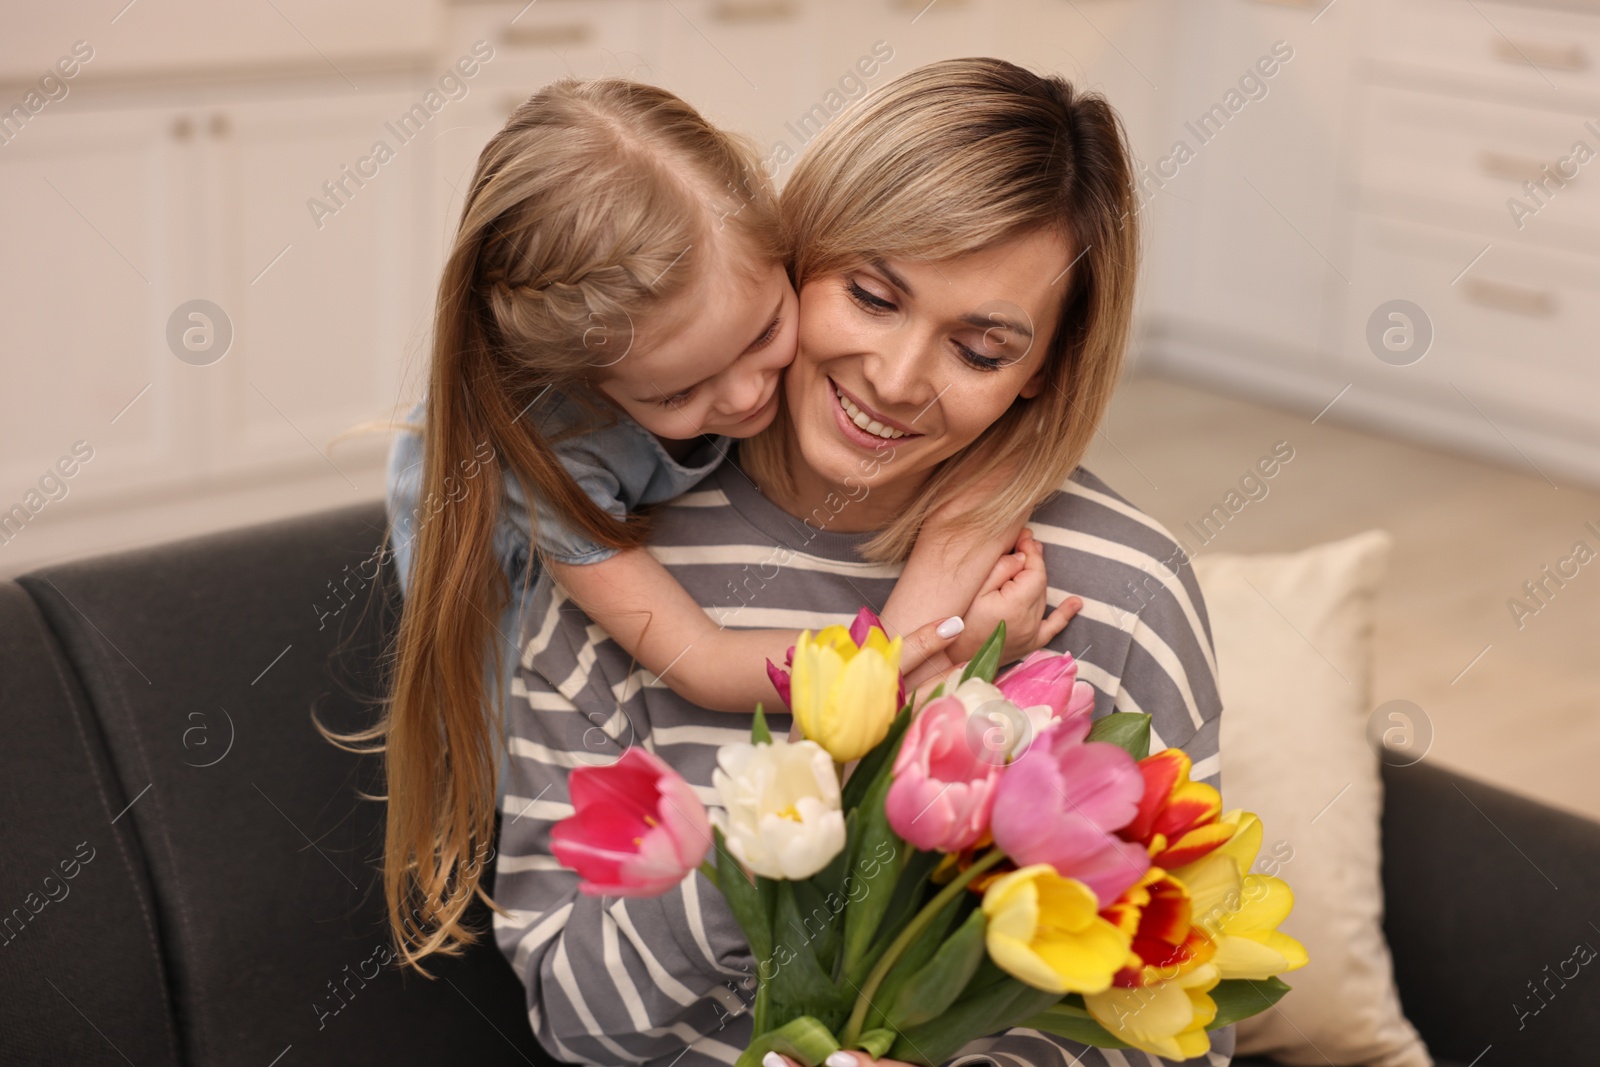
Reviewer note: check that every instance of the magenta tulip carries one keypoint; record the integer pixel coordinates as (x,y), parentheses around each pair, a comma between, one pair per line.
(1062,802)
(636,829)
(865,621)
(780,676)
(942,791)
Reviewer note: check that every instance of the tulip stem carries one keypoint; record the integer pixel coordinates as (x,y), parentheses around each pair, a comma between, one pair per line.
(913,930)
(759,1009)
(709,869)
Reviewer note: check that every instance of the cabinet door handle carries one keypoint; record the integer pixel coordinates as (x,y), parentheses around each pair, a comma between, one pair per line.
(1517,299)
(1512,168)
(535,36)
(1554,55)
(748,12)
(182,128)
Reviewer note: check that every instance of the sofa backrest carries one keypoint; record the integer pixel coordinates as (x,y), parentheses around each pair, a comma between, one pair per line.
(197,874)
(190,874)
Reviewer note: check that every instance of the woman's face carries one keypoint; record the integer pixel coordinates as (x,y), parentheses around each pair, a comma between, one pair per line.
(920,356)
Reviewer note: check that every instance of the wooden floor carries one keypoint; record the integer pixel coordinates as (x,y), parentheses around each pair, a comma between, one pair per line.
(1514,704)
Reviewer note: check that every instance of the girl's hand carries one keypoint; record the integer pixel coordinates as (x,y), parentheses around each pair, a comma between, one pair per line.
(1015,592)
(856,1058)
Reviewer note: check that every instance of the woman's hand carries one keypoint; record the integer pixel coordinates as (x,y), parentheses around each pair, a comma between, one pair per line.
(1015,592)
(841,1058)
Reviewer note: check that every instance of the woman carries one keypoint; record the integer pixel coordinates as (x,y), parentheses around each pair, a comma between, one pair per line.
(965,256)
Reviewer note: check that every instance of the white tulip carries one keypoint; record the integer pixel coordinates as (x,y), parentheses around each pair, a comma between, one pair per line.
(1014,727)
(780,807)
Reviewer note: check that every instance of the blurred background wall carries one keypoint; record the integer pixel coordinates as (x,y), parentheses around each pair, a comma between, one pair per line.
(1370,233)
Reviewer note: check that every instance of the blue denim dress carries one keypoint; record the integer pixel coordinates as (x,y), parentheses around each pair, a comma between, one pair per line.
(621,466)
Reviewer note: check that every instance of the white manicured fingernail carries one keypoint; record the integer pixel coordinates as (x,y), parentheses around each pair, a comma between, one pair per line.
(840,1058)
(949,628)
(772,1059)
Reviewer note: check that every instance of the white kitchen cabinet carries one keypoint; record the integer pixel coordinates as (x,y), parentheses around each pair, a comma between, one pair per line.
(1374,162)
(316,265)
(96,211)
(1248,266)
(1463,114)
(1381,165)
(753,66)
(135,211)
(1500,333)
(161,38)
(1465,163)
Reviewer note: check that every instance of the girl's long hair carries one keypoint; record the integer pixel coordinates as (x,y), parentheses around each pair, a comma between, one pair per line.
(596,207)
(953,158)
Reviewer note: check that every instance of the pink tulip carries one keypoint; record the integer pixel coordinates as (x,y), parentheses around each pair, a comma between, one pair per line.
(942,791)
(1060,804)
(636,829)
(1049,679)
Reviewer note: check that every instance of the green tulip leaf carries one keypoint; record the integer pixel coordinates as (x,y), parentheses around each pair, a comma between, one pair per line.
(1240,998)
(821,907)
(751,903)
(999,1007)
(917,955)
(933,988)
(804,1039)
(759,733)
(874,871)
(876,1042)
(831,878)
(909,894)
(1126,729)
(875,764)
(987,662)
(798,983)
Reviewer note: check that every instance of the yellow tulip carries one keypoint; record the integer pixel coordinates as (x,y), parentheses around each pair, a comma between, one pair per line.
(1168,1020)
(1240,912)
(843,696)
(1043,930)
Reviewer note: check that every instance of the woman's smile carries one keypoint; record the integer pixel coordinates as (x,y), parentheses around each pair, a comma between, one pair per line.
(864,425)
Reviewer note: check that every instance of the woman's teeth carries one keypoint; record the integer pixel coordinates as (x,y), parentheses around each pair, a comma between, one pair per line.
(861,419)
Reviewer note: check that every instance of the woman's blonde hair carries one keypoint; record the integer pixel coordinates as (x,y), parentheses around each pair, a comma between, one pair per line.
(950,159)
(595,208)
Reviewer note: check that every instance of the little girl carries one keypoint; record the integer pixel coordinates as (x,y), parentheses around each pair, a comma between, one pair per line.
(615,311)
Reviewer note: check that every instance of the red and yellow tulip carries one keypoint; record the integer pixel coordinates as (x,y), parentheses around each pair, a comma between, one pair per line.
(1190,926)
(1177,819)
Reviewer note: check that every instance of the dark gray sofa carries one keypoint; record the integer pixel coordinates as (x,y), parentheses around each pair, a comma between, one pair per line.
(189,875)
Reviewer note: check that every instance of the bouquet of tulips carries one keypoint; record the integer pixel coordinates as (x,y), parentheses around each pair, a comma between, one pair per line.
(911,877)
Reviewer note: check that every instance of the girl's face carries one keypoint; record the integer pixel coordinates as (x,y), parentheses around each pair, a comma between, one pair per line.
(906,362)
(713,365)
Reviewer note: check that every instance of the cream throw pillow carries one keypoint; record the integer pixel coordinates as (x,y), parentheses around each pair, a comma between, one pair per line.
(1293,635)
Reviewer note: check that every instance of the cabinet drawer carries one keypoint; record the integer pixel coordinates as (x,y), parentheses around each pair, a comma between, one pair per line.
(1466,162)
(539,42)
(1515,333)
(1513,44)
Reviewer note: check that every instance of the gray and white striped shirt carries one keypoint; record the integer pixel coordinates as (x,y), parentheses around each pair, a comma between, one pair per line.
(665,981)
